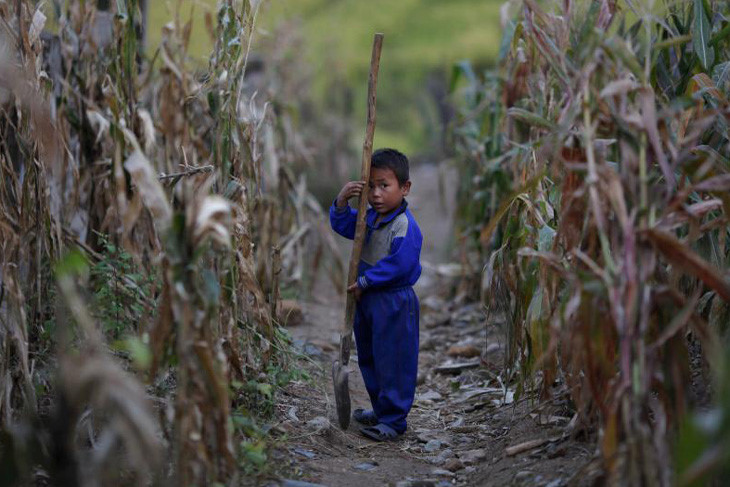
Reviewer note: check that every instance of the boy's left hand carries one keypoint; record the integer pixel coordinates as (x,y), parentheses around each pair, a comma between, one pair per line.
(355,290)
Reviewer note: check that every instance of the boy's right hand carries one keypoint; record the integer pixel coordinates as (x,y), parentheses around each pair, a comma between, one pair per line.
(349,190)
(355,290)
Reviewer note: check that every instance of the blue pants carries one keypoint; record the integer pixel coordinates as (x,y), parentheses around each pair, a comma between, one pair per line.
(386,333)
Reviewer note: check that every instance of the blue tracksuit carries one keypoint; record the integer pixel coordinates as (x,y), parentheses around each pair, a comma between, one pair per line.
(386,321)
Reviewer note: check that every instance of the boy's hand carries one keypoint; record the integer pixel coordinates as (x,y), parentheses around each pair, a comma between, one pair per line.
(355,290)
(349,190)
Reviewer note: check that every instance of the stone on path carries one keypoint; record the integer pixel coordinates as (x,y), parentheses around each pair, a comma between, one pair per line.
(473,457)
(432,445)
(423,483)
(442,472)
(319,424)
(453,465)
(296,483)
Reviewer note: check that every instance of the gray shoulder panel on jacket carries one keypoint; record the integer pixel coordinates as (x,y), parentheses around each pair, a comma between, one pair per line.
(399,227)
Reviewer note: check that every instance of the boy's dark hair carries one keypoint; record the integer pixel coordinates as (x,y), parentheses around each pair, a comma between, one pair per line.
(391,159)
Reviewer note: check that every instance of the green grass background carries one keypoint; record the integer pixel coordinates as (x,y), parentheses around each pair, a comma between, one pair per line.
(420,36)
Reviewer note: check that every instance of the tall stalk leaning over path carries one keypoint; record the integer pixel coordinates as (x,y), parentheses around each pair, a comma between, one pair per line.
(203,268)
(597,152)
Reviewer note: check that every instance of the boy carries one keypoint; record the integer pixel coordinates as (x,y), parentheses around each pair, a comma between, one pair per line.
(386,320)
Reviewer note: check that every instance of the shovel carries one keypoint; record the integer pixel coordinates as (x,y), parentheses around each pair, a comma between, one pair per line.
(340,372)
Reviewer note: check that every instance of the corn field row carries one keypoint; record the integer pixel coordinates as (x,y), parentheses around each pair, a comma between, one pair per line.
(597,153)
(148,215)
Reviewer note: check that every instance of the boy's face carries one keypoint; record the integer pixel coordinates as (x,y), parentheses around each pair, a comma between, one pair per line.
(385,193)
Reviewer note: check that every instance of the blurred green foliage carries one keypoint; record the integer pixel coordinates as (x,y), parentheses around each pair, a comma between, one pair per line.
(122,292)
(422,38)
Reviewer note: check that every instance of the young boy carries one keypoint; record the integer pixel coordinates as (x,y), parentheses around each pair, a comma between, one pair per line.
(386,321)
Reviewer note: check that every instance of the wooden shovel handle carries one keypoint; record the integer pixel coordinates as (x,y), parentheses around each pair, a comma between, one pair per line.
(367,152)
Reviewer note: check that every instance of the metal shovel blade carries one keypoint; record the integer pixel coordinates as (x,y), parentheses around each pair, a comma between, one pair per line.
(341,381)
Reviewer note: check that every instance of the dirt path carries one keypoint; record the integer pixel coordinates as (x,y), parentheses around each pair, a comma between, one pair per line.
(463,418)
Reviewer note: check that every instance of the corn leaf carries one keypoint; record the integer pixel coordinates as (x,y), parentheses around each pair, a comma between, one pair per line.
(506,44)
(681,256)
(707,85)
(530,118)
(701,36)
(717,183)
(462,68)
(720,75)
(486,234)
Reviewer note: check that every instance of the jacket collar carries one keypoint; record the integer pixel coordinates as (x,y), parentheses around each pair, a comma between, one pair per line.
(372,215)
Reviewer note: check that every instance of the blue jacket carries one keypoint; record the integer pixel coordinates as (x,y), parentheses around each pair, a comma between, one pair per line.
(391,252)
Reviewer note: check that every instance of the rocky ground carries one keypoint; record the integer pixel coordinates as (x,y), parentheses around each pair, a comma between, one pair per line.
(467,426)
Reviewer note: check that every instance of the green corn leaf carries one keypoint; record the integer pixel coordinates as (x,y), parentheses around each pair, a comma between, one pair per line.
(717,38)
(462,68)
(530,118)
(701,36)
(618,50)
(681,27)
(546,235)
(662,75)
(555,55)
(673,41)
(633,31)
(488,231)
(708,8)
(509,33)
(588,24)
(721,75)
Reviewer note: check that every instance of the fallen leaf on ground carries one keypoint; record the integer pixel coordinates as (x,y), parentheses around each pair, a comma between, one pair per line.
(456,368)
(430,396)
(453,465)
(527,445)
(466,351)
(304,453)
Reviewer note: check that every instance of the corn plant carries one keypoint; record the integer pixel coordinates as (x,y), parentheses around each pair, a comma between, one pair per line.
(164,161)
(597,152)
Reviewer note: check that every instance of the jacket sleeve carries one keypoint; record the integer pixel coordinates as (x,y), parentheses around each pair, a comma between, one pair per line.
(343,220)
(404,258)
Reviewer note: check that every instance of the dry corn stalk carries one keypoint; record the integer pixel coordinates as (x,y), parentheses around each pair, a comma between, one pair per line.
(89,131)
(597,154)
